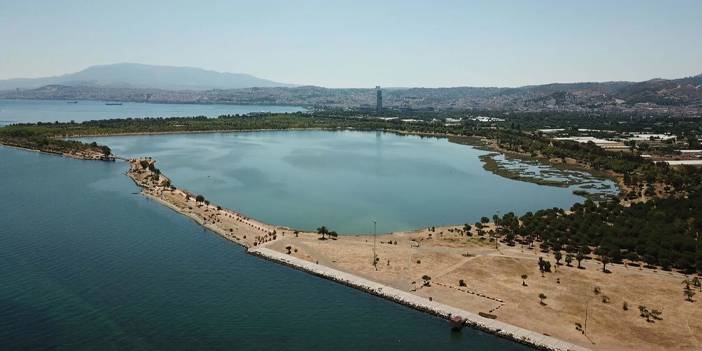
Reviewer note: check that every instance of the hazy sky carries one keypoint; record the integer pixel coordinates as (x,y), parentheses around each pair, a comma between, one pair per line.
(362,43)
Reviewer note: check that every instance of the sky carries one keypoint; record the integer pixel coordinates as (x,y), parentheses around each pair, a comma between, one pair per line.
(362,43)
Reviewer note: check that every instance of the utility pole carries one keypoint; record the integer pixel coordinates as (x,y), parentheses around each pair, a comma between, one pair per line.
(496,236)
(587,307)
(374,234)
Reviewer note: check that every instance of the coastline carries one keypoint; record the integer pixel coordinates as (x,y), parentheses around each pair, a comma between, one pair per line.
(164,102)
(180,132)
(485,296)
(75,156)
(152,189)
(144,178)
(394,131)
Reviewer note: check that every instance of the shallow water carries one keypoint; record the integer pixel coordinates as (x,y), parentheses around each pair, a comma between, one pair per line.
(31,111)
(344,180)
(578,180)
(86,264)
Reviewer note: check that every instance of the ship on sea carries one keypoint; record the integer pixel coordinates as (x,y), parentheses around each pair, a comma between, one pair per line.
(71,102)
(113,103)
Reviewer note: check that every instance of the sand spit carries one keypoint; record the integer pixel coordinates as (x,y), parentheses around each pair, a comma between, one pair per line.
(79,155)
(231,225)
(252,234)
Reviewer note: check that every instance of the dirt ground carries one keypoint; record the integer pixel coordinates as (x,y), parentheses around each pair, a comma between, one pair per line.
(493,285)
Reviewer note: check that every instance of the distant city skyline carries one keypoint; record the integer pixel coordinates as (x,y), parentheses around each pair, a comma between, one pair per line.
(362,43)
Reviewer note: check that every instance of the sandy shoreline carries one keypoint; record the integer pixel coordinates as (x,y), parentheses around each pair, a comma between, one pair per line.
(493,285)
(144,178)
(488,276)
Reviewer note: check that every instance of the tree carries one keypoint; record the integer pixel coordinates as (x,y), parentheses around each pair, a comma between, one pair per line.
(427,280)
(580,257)
(105,150)
(484,220)
(524,278)
(199,198)
(558,256)
(466,229)
(689,293)
(544,266)
(289,248)
(687,289)
(568,259)
(696,283)
(542,297)
(322,231)
(333,234)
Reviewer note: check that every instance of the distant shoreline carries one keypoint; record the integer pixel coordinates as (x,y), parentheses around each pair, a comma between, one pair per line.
(164,102)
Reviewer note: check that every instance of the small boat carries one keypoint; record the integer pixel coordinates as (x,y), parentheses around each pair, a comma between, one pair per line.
(113,103)
(71,102)
(457,323)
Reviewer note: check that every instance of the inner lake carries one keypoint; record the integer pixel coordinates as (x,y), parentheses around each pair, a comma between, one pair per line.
(345,180)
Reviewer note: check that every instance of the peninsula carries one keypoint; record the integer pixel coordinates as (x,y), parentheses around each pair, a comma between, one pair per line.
(522,278)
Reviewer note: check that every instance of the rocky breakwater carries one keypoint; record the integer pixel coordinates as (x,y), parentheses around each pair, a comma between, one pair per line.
(527,337)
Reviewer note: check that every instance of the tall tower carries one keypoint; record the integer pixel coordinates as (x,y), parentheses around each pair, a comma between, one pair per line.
(378,99)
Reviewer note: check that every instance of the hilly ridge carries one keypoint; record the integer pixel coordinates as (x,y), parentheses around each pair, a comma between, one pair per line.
(143,83)
(135,75)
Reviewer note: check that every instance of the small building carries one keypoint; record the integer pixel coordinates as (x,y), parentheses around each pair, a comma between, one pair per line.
(603,143)
(684,162)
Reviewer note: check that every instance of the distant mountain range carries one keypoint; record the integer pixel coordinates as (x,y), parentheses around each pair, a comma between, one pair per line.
(135,75)
(142,83)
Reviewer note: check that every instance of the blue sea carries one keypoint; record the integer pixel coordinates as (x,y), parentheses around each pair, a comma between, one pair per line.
(88,264)
(32,111)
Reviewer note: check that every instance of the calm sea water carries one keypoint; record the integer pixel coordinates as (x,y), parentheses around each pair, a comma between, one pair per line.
(86,264)
(344,180)
(26,111)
